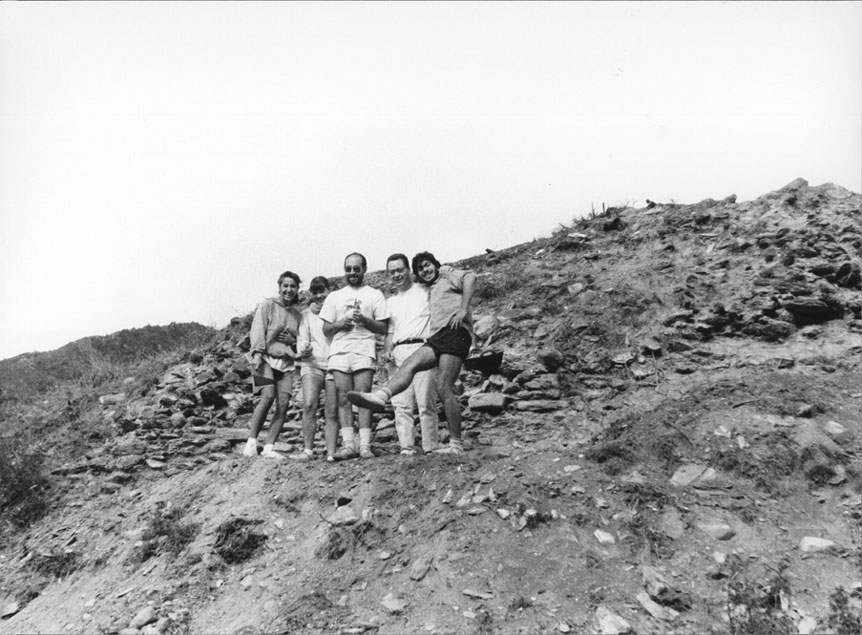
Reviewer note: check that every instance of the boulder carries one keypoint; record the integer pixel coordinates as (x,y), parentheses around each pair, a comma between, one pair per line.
(609,623)
(490,402)
(485,327)
(144,617)
(813,310)
(811,544)
(551,358)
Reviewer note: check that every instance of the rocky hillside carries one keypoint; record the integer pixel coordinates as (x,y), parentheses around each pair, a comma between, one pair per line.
(28,374)
(671,444)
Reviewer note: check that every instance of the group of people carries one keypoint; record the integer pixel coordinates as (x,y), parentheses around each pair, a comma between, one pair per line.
(426,331)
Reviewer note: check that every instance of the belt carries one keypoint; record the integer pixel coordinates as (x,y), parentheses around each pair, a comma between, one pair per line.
(414,340)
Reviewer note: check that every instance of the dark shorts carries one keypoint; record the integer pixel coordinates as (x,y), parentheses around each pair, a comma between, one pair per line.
(448,341)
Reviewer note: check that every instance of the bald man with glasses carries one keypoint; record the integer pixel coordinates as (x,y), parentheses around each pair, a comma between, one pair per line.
(353,316)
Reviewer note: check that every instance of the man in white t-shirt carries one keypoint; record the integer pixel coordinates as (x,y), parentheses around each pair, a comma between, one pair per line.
(353,316)
(409,316)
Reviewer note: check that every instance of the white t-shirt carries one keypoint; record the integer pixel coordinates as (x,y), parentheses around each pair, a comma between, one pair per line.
(339,303)
(311,332)
(409,314)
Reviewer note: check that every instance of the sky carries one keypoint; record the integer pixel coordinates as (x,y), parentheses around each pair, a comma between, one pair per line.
(165,162)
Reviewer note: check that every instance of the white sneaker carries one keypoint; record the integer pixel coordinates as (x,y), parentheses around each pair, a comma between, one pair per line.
(450,449)
(272,454)
(366,400)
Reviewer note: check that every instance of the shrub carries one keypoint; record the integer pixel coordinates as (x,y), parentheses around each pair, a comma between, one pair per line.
(165,533)
(23,484)
(845,616)
(754,601)
(235,542)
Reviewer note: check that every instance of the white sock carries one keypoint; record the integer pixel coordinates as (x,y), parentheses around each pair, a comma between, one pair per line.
(268,447)
(456,443)
(365,438)
(251,444)
(347,437)
(384,393)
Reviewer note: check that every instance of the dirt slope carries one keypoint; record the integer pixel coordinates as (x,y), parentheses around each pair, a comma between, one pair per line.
(672,444)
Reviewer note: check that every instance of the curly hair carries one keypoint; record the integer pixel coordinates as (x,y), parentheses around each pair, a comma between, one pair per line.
(419,258)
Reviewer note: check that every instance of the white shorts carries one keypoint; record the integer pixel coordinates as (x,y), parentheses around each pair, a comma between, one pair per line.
(351,362)
(315,371)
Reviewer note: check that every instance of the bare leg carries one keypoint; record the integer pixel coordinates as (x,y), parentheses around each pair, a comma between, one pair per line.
(284,388)
(448,369)
(343,385)
(330,413)
(362,380)
(422,359)
(311,387)
(267,397)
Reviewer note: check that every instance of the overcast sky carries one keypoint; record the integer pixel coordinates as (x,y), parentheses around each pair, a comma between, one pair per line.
(164,162)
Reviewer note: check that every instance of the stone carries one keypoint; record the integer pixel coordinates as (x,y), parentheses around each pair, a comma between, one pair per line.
(671,524)
(551,358)
(144,617)
(812,544)
(609,623)
(484,327)
(107,400)
(393,604)
(806,625)
(9,610)
(211,397)
(813,310)
(540,405)
(651,347)
(490,402)
(153,464)
(156,628)
(639,373)
(503,513)
(129,462)
(837,432)
(687,474)
(479,595)
(653,581)
(421,566)
(344,515)
(178,420)
(717,529)
(545,382)
(604,537)
(654,608)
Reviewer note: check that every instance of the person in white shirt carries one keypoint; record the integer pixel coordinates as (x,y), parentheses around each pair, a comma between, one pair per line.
(313,352)
(408,329)
(450,292)
(353,316)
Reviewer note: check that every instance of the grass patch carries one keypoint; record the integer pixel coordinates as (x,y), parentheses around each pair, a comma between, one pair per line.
(765,463)
(755,598)
(235,540)
(23,483)
(614,456)
(845,611)
(56,564)
(165,533)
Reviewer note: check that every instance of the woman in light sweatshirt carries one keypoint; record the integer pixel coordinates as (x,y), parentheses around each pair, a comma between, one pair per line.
(273,351)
